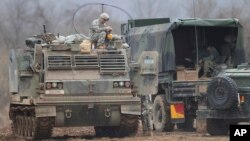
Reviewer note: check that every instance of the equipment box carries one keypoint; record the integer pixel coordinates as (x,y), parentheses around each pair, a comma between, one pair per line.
(184,74)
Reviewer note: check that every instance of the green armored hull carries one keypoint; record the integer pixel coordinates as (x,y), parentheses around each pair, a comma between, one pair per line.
(58,85)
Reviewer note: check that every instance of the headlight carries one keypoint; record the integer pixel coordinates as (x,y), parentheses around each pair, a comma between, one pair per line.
(115,84)
(60,85)
(48,85)
(54,84)
(121,83)
(127,84)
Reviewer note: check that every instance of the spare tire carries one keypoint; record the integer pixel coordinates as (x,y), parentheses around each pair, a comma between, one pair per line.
(222,93)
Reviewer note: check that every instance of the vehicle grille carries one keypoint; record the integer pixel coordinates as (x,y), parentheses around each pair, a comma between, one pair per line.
(59,62)
(112,63)
(86,62)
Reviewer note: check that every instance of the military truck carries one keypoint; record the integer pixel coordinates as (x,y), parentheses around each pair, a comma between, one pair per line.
(228,101)
(180,44)
(53,84)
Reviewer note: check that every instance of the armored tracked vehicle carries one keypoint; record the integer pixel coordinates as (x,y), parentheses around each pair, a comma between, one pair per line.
(65,85)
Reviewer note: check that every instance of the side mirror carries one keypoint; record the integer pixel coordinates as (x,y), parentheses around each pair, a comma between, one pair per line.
(134,66)
(124,29)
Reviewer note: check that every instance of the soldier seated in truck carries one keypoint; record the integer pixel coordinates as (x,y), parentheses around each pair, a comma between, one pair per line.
(209,62)
(227,48)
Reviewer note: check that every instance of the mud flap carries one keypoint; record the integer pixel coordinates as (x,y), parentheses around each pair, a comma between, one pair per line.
(177,112)
(146,76)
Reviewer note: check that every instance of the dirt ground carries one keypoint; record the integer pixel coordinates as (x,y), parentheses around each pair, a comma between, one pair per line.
(87,134)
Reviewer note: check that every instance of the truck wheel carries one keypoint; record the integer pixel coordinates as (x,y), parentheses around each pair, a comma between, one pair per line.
(188,125)
(128,127)
(161,114)
(222,93)
(217,127)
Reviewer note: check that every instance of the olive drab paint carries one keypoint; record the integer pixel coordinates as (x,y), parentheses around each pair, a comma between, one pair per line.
(56,84)
(173,80)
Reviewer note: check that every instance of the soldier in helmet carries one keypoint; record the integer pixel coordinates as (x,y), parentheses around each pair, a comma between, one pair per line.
(227,48)
(99,30)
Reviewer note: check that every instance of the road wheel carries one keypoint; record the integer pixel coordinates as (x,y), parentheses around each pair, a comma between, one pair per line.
(30,127)
(217,127)
(14,127)
(129,125)
(161,114)
(222,93)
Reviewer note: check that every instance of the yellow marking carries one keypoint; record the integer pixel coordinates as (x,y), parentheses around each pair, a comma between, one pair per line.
(174,114)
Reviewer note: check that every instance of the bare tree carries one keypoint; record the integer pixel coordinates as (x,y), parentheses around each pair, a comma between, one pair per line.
(13,21)
(20,19)
(200,8)
(145,9)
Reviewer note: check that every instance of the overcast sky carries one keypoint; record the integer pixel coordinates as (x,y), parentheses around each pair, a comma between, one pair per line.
(165,8)
(56,11)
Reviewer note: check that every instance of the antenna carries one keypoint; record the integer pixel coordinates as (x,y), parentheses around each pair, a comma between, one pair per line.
(196,38)
(102,7)
(44,29)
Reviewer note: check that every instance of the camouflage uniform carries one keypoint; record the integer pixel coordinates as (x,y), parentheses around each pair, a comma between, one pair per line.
(211,60)
(98,30)
(228,48)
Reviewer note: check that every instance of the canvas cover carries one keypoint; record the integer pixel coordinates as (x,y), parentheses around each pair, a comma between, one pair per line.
(159,38)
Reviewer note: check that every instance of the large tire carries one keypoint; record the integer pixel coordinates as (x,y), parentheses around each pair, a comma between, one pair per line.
(222,93)
(216,127)
(161,115)
(128,127)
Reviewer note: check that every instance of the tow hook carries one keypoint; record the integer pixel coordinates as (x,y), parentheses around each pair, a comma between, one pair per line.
(107,112)
(68,113)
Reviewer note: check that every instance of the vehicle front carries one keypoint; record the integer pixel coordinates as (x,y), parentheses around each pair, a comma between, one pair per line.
(78,85)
